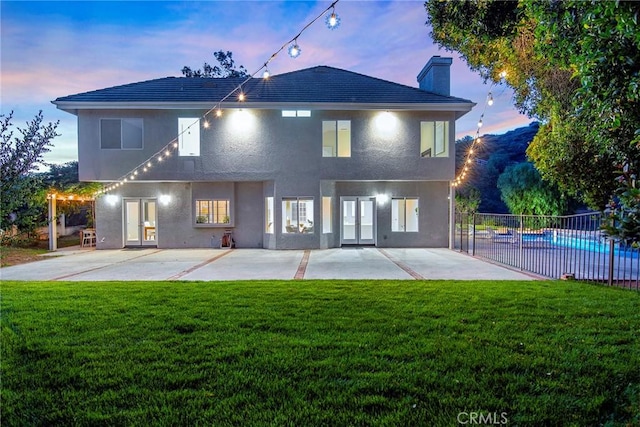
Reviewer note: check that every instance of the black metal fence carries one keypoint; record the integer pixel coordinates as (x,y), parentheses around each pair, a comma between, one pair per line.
(551,246)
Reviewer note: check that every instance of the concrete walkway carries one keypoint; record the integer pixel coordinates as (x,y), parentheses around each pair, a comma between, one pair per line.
(250,264)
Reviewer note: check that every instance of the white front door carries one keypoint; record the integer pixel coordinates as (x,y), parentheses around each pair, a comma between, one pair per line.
(140,222)
(357,220)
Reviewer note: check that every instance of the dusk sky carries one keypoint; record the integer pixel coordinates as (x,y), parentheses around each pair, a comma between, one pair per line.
(51,49)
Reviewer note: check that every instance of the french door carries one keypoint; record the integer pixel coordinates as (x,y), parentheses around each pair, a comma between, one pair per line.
(357,220)
(140,222)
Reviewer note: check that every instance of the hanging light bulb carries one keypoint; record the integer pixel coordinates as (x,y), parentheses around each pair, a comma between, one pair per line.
(266,74)
(332,20)
(294,50)
(218,112)
(490,100)
(503,74)
(241,97)
(205,124)
(480,123)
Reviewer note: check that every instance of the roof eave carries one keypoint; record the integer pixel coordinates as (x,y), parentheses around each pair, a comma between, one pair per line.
(74,106)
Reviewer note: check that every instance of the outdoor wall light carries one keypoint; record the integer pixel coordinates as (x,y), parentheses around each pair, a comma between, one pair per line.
(386,122)
(111,199)
(242,120)
(164,199)
(381,199)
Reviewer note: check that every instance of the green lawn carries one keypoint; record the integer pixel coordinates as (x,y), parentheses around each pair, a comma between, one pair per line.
(330,353)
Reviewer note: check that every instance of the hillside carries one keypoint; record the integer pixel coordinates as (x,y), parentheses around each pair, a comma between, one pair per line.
(493,155)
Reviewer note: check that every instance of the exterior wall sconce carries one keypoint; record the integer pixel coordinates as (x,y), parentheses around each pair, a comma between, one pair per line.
(111,199)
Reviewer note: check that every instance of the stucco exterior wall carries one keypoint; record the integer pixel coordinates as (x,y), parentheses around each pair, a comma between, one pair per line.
(433,228)
(261,145)
(250,155)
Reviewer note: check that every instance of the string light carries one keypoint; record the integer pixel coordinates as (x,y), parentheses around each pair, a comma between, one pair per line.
(476,140)
(332,20)
(294,50)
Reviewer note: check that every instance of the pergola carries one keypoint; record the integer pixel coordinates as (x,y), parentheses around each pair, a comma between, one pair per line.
(52,216)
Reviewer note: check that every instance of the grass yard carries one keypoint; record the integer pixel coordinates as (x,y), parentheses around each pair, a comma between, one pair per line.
(12,255)
(312,353)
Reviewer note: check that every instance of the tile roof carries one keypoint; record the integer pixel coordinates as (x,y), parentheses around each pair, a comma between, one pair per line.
(321,84)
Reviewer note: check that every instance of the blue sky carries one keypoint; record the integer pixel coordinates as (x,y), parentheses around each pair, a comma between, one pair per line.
(51,49)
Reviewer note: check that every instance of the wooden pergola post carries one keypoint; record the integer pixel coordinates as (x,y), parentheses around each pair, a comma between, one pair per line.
(53,214)
(53,226)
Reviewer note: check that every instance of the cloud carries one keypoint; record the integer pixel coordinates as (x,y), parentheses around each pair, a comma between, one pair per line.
(57,51)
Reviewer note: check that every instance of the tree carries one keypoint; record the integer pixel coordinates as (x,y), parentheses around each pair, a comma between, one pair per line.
(21,191)
(468,201)
(226,67)
(575,66)
(64,179)
(61,176)
(525,193)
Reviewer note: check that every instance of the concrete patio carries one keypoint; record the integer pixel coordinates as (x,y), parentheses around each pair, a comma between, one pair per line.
(76,264)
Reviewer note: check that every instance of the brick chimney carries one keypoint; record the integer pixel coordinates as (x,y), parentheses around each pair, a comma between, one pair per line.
(435,76)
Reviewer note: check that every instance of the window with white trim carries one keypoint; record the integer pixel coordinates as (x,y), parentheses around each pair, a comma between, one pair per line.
(296,113)
(121,134)
(212,212)
(326,215)
(404,214)
(188,136)
(336,138)
(434,139)
(268,215)
(297,215)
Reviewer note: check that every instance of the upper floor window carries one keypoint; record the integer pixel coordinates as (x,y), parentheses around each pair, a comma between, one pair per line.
(434,139)
(189,136)
(296,113)
(212,212)
(122,134)
(336,138)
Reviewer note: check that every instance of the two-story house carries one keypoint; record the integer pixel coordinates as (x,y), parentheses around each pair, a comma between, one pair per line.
(316,158)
